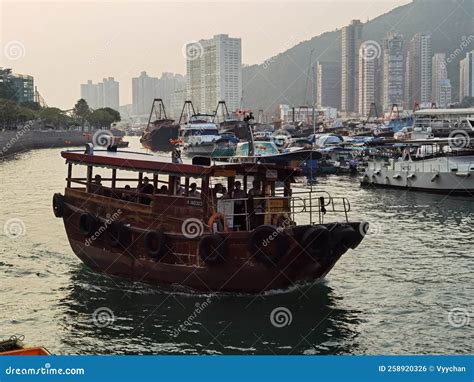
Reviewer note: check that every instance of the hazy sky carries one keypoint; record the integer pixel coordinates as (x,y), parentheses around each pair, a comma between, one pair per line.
(65,43)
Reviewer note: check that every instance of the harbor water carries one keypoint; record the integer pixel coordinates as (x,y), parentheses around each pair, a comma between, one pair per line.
(407,289)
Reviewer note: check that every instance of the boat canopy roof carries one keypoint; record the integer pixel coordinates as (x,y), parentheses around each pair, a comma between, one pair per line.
(435,112)
(142,162)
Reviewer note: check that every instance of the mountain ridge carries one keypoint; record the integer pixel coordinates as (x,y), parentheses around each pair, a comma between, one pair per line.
(283,78)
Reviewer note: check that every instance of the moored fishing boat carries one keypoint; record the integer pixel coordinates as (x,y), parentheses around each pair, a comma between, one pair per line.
(159,132)
(200,225)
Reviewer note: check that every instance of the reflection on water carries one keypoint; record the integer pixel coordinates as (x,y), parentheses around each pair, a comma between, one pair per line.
(151,320)
(395,294)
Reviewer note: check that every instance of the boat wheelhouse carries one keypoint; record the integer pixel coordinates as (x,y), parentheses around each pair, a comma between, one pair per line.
(442,123)
(227,227)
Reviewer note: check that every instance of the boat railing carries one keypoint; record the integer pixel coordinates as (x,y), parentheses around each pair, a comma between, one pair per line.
(313,204)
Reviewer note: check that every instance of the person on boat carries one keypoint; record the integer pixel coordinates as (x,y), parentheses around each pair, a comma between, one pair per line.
(96,186)
(218,189)
(178,189)
(127,194)
(239,206)
(146,188)
(193,192)
(163,189)
(255,204)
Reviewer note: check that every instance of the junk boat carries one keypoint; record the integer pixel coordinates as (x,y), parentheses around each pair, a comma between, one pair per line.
(434,165)
(159,133)
(209,227)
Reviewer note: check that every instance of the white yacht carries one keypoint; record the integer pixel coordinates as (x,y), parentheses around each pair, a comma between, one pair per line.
(199,135)
(435,165)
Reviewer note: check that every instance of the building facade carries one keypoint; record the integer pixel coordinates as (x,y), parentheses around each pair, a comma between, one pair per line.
(466,76)
(393,71)
(22,85)
(418,77)
(439,81)
(366,87)
(351,40)
(102,94)
(214,73)
(328,84)
(144,90)
(445,94)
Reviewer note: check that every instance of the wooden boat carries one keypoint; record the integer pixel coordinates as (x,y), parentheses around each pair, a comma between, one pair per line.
(14,346)
(206,239)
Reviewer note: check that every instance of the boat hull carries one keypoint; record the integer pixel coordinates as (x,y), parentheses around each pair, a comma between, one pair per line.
(456,178)
(240,271)
(159,138)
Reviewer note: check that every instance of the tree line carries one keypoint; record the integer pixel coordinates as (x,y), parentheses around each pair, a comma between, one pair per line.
(13,114)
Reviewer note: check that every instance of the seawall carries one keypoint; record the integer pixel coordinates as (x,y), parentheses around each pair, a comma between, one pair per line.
(20,140)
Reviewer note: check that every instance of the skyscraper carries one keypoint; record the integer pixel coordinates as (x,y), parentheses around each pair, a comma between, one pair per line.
(144,90)
(439,77)
(351,40)
(466,76)
(89,93)
(328,84)
(110,93)
(214,72)
(366,88)
(103,94)
(418,69)
(393,70)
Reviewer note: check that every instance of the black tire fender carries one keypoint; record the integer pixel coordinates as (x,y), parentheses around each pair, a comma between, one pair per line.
(88,224)
(58,205)
(316,242)
(267,244)
(211,249)
(155,243)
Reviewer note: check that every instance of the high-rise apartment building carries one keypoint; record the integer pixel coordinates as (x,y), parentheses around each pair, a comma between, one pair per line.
(439,77)
(103,94)
(328,84)
(466,76)
(393,71)
(214,73)
(366,88)
(351,40)
(418,75)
